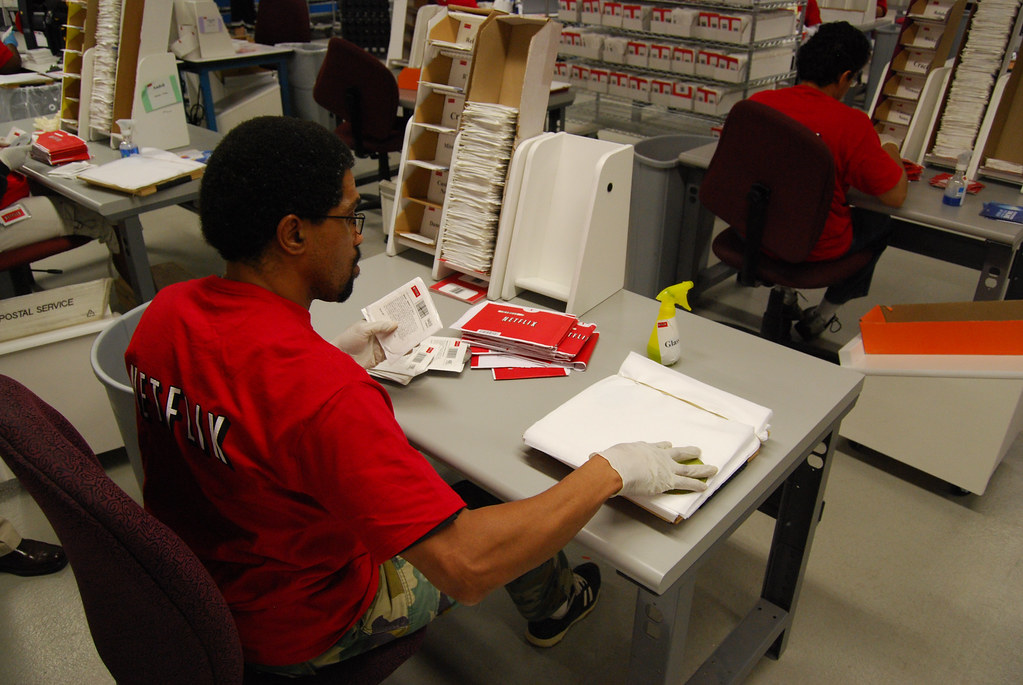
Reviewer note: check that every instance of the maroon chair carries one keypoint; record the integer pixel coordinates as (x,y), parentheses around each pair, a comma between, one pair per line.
(772,180)
(282,21)
(362,94)
(16,264)
(155,614)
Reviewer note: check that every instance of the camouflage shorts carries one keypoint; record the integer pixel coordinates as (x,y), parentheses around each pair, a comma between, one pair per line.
(406,601)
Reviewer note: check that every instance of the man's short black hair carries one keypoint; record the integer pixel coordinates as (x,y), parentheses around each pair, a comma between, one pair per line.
(836,48)
(264,169)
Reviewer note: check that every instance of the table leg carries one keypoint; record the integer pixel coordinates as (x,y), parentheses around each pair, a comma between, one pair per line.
(659,634)
(207,99)
(282,81)
(994,273)
(140,278)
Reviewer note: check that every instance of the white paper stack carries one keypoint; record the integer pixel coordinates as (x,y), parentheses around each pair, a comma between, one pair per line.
(476,186)
(108,36)
(975,76)
(649,402)
(436,353)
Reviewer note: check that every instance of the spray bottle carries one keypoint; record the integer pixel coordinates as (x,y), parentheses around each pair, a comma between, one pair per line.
(664,344)
(127,146)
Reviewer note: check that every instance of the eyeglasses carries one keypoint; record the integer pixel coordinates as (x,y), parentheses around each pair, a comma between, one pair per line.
(357,220)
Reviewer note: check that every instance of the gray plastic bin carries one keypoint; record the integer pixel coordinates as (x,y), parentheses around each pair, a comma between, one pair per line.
(655,244)
(303,68)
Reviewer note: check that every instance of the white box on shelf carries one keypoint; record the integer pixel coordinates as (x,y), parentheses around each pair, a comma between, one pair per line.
(592,46)
(570,10)
(571,41)
(637,53)
(590,12)
(579,75)
(683,22)
(639,87)
(599,79)
(636,17)
(715,100)
(660,56)
(611,13)
(614,49)
(660,20)
(661,90)
(682,96)
(618,83)
(683,60)
(771,62)
(561,70)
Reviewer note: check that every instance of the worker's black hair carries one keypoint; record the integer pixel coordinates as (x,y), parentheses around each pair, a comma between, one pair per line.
(264,169)
(836,48)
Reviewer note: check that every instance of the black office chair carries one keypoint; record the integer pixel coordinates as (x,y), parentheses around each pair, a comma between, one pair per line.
(362,94)
(772,180)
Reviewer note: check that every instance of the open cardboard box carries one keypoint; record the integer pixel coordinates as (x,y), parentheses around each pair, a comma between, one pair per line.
(514,66)
(994,327)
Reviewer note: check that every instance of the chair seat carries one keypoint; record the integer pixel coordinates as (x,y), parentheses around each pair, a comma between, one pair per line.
(26,254)
(393,142)
(729,247)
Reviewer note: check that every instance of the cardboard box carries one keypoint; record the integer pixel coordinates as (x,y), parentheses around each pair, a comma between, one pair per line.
(660,56)
(52,309)
(913,60)
(660,20)
(611,13)
(683,59)
(514,65)
(590,12)
(637,53)
(458,29)
(946,328)
(614,49)
(636,17)
(569,10)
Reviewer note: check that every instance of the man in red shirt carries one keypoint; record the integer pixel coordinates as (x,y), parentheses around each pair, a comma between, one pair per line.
(827,65)
(278,460)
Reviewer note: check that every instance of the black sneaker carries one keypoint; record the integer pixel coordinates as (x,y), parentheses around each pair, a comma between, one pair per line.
(813,324)
(549,631)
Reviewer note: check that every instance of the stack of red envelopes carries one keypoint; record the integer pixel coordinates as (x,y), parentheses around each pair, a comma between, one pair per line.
(523,342)
(59,147)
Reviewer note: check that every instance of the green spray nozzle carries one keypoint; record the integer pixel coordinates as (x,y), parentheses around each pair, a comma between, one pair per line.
(676,294)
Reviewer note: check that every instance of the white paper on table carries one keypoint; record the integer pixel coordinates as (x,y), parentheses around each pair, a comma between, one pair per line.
(448,353)
(507,361)
(412,308)
(647,401)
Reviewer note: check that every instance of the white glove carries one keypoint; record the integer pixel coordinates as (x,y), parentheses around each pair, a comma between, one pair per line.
(650,468)
(360,341)
(14,156)
(885,139)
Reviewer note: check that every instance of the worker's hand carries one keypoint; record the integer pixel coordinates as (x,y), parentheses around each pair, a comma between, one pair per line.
(885,139)
(650,468)
(14,156)
(10,39)
(360,341)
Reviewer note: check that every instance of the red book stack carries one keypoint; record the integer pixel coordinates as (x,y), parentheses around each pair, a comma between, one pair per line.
(507,336)
(59,147)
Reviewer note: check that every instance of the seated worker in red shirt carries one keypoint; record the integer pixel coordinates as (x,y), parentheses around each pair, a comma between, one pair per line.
(279,461)
(827,65)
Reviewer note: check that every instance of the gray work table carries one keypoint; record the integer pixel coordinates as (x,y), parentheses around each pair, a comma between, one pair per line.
(923,225)
(475,425)
(122,209)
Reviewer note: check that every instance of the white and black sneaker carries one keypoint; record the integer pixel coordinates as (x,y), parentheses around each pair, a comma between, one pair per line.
(550,631)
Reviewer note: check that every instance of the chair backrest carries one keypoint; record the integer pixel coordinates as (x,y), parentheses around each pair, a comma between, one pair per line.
(760,150)
(356,87)
(108,365)
(154,612)
(282,21)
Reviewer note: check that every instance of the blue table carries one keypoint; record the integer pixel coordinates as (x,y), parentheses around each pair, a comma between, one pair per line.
(256,55)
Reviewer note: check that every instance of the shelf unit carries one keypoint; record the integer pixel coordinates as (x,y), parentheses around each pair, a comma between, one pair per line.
(681,61)
(917,76)
(74,47)
(430,133)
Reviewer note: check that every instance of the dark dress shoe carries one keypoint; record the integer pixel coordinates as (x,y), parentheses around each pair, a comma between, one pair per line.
(33,558)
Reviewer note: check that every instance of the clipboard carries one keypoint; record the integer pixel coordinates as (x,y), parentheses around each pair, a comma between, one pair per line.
(144,174)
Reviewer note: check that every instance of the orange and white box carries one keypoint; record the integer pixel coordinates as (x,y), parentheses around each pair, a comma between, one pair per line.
(683,60)
(618,83)
(660,56)
(569,10)
(611,13)
(590,12)
(660,20)
(636,17)
(639,87)
(599,79)
(661,90)
(637,53)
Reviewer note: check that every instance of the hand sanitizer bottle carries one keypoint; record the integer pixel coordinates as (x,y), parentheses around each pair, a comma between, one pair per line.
(955,189)
(127,146)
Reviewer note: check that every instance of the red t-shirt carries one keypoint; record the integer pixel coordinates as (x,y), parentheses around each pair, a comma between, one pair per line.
(5,54)
(277,459)
(859,160)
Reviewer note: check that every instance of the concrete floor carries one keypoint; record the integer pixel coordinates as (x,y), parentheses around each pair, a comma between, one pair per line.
(906,583)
